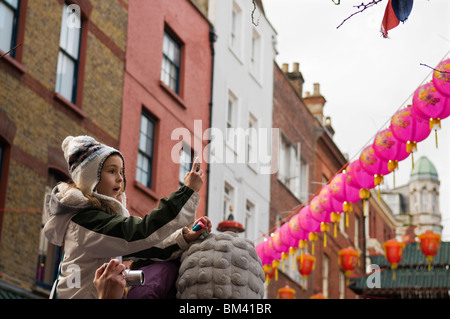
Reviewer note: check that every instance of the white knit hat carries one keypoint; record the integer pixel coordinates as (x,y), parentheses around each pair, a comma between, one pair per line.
(85,157)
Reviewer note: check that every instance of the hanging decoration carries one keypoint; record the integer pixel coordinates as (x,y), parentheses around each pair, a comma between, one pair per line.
(357,177)
(389,148)
(409,128)
(441,78)
(431,106)
(393,250)
(318,296)
(305,264)
(348,260)
(300,235)
(343,192)
(286,292)
(321,216)
(374,165)
(331,205)
(308,224)
(429,245)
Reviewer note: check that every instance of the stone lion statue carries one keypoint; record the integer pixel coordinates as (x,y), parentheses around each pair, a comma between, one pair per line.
(222,266)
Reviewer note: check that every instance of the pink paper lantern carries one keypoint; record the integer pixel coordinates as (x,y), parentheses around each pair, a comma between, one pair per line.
(260,250)
(429,103)
(270,250)
(408,127)
(388,147)
(278,244)
(327,202)
(317,212)
(358,177)
(372,163)
(342,191)
(295,230)
(286,238)
(306,221)
(441,77)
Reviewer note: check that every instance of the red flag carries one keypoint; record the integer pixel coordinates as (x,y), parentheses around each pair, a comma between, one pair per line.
(390,20)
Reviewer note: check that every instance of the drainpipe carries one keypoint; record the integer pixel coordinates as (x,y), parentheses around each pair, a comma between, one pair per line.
(212,40)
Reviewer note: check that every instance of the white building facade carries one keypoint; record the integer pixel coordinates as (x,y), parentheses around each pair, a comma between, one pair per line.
(241,121)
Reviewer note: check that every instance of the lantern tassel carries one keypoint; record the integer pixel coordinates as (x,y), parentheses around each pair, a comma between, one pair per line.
(364,207)
(435,123)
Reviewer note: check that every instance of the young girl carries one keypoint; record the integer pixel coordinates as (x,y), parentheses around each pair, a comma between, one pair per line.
(89,217)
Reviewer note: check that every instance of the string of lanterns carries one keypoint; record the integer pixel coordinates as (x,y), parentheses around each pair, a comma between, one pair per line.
(408,126)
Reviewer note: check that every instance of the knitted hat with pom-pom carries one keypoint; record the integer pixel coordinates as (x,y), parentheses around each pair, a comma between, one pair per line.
(85,157)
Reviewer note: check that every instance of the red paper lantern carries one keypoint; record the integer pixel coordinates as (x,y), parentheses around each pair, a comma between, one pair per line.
(305,264)
(348,260)
(286,292)
(269,272)
(318,296)
(393,250)
(429,245)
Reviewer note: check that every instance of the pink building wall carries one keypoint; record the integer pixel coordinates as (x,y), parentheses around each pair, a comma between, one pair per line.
(144,90)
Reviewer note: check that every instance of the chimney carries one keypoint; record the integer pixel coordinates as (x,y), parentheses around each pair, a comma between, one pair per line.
(295,77)
(316,102)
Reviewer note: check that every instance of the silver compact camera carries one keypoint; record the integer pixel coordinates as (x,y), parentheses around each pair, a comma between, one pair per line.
(132,277)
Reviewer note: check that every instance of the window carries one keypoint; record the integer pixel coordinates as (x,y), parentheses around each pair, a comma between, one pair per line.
(186,159)
(434,202)
(9,24)
(235,32)
(356,238)
(228,198)
(325,274)
(342,285)
(255,59)
(49,254)
(249,220)
(231,117)
(289,170)
(145,154)
(252,145)
(304,180)
(170,68)
(69,53)
(424,200)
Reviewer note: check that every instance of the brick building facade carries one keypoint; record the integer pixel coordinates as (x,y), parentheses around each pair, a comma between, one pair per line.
(61,80)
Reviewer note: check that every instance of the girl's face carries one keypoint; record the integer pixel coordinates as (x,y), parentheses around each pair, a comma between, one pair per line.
(111,178)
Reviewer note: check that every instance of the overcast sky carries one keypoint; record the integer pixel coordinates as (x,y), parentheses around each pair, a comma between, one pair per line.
(364,77)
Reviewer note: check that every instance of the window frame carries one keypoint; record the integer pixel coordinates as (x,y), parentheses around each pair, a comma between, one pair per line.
(148,156)
(16,59)
(67,55)
(169,34)
(85,7)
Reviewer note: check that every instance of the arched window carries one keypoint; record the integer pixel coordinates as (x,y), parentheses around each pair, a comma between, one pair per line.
(434,203)
(424,200)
